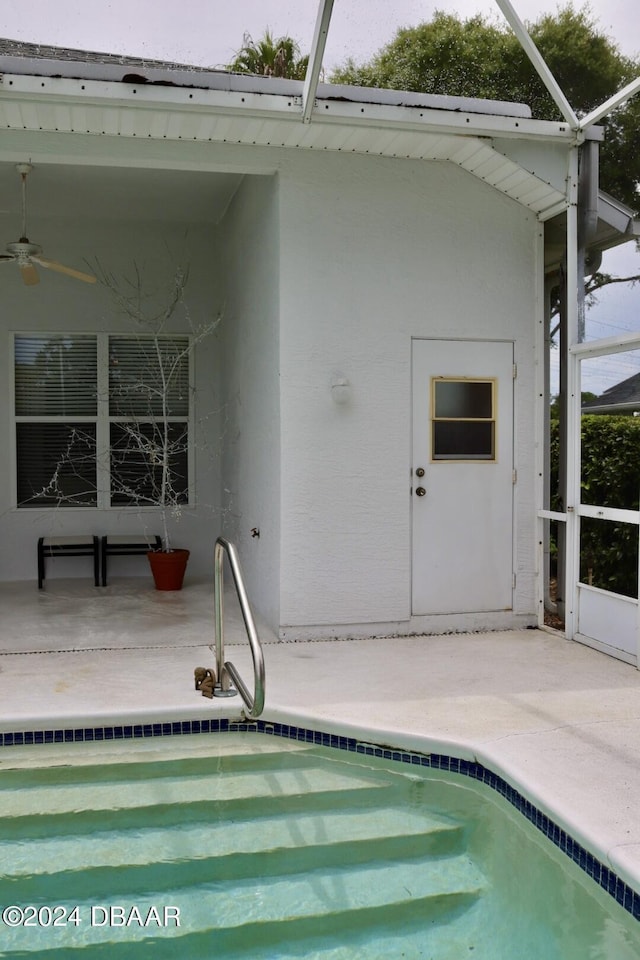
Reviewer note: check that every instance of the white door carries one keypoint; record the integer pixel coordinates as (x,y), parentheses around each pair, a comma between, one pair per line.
(462,482)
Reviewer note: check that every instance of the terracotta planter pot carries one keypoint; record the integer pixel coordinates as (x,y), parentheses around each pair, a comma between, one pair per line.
(168,568)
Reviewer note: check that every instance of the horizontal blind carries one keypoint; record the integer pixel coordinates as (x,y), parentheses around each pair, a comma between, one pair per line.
(61,408)
(148,373)
(55,376)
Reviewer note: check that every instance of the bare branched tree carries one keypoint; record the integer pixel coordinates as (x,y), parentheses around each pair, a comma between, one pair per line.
(149,459)
(149,394)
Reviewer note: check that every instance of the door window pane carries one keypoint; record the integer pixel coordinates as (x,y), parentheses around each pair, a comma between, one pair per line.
(463,422)
(463,440)
(471,399)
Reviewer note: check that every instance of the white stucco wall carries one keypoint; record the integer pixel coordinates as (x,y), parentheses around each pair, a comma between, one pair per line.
(60,304)
(330,266)
(373,253)
(250,345)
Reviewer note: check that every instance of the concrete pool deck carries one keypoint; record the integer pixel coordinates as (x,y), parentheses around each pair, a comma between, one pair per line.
(559,721)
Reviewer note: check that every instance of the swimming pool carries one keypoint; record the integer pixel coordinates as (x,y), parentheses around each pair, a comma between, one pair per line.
(246,845)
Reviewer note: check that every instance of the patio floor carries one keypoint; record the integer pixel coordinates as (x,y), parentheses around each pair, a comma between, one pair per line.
(559,720)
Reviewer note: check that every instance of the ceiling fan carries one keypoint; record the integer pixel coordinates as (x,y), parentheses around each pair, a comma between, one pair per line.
(27,254)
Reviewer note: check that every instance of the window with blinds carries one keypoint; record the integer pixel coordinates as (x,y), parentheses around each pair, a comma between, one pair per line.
(102,420)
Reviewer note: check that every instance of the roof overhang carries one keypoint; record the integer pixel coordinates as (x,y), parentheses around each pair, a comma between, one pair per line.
(214,106)
(615,225)
(612,407)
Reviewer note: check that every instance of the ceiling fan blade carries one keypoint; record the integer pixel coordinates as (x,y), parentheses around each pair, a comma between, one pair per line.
(29,274)
(6,257)
(60,268)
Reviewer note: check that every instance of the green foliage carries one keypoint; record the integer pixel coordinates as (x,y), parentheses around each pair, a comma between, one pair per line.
(270,57)
(610,478)
(611,461)
(586,63)
(446,56)
(554,408)
(480,58)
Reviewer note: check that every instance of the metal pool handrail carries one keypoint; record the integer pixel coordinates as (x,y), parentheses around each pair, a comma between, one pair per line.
(226,670)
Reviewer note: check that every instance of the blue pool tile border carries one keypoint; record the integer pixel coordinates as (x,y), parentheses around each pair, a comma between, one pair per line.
(610,882)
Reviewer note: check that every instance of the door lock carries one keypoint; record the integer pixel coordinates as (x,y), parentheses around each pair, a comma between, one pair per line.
(420,491)
(420,472)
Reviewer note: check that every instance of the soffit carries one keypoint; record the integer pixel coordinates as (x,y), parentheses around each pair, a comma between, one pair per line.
(149,112)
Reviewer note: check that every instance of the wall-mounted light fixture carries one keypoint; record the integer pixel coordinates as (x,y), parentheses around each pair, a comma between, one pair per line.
(340,388)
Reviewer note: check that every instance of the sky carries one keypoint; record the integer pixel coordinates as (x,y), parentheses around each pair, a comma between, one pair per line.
(208,32)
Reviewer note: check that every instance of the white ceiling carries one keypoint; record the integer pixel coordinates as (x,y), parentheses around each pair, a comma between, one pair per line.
(115,193)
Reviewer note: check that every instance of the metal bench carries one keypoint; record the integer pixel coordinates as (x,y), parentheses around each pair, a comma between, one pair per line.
(68,547)
(125,546)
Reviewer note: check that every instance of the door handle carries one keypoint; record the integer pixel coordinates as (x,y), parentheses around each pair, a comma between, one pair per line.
(420,491)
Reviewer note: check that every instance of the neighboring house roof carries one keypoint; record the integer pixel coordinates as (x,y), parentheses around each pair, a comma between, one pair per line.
(50,89)
(623,397)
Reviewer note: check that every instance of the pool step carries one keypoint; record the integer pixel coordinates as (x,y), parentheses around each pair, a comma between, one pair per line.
(65,798)
(222,842)
(123,759)
(234,917)
(304,856)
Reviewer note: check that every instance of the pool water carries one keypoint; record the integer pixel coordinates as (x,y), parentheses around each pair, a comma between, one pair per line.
(243,845)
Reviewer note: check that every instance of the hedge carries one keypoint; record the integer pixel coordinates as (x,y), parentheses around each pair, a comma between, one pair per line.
(610,478)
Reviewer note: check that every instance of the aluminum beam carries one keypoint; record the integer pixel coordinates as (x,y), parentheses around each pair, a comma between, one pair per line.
(312,76)
(615,101)
(539,63)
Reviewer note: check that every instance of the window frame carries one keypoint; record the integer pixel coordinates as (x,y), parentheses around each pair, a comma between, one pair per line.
(102,420)
(493,420)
